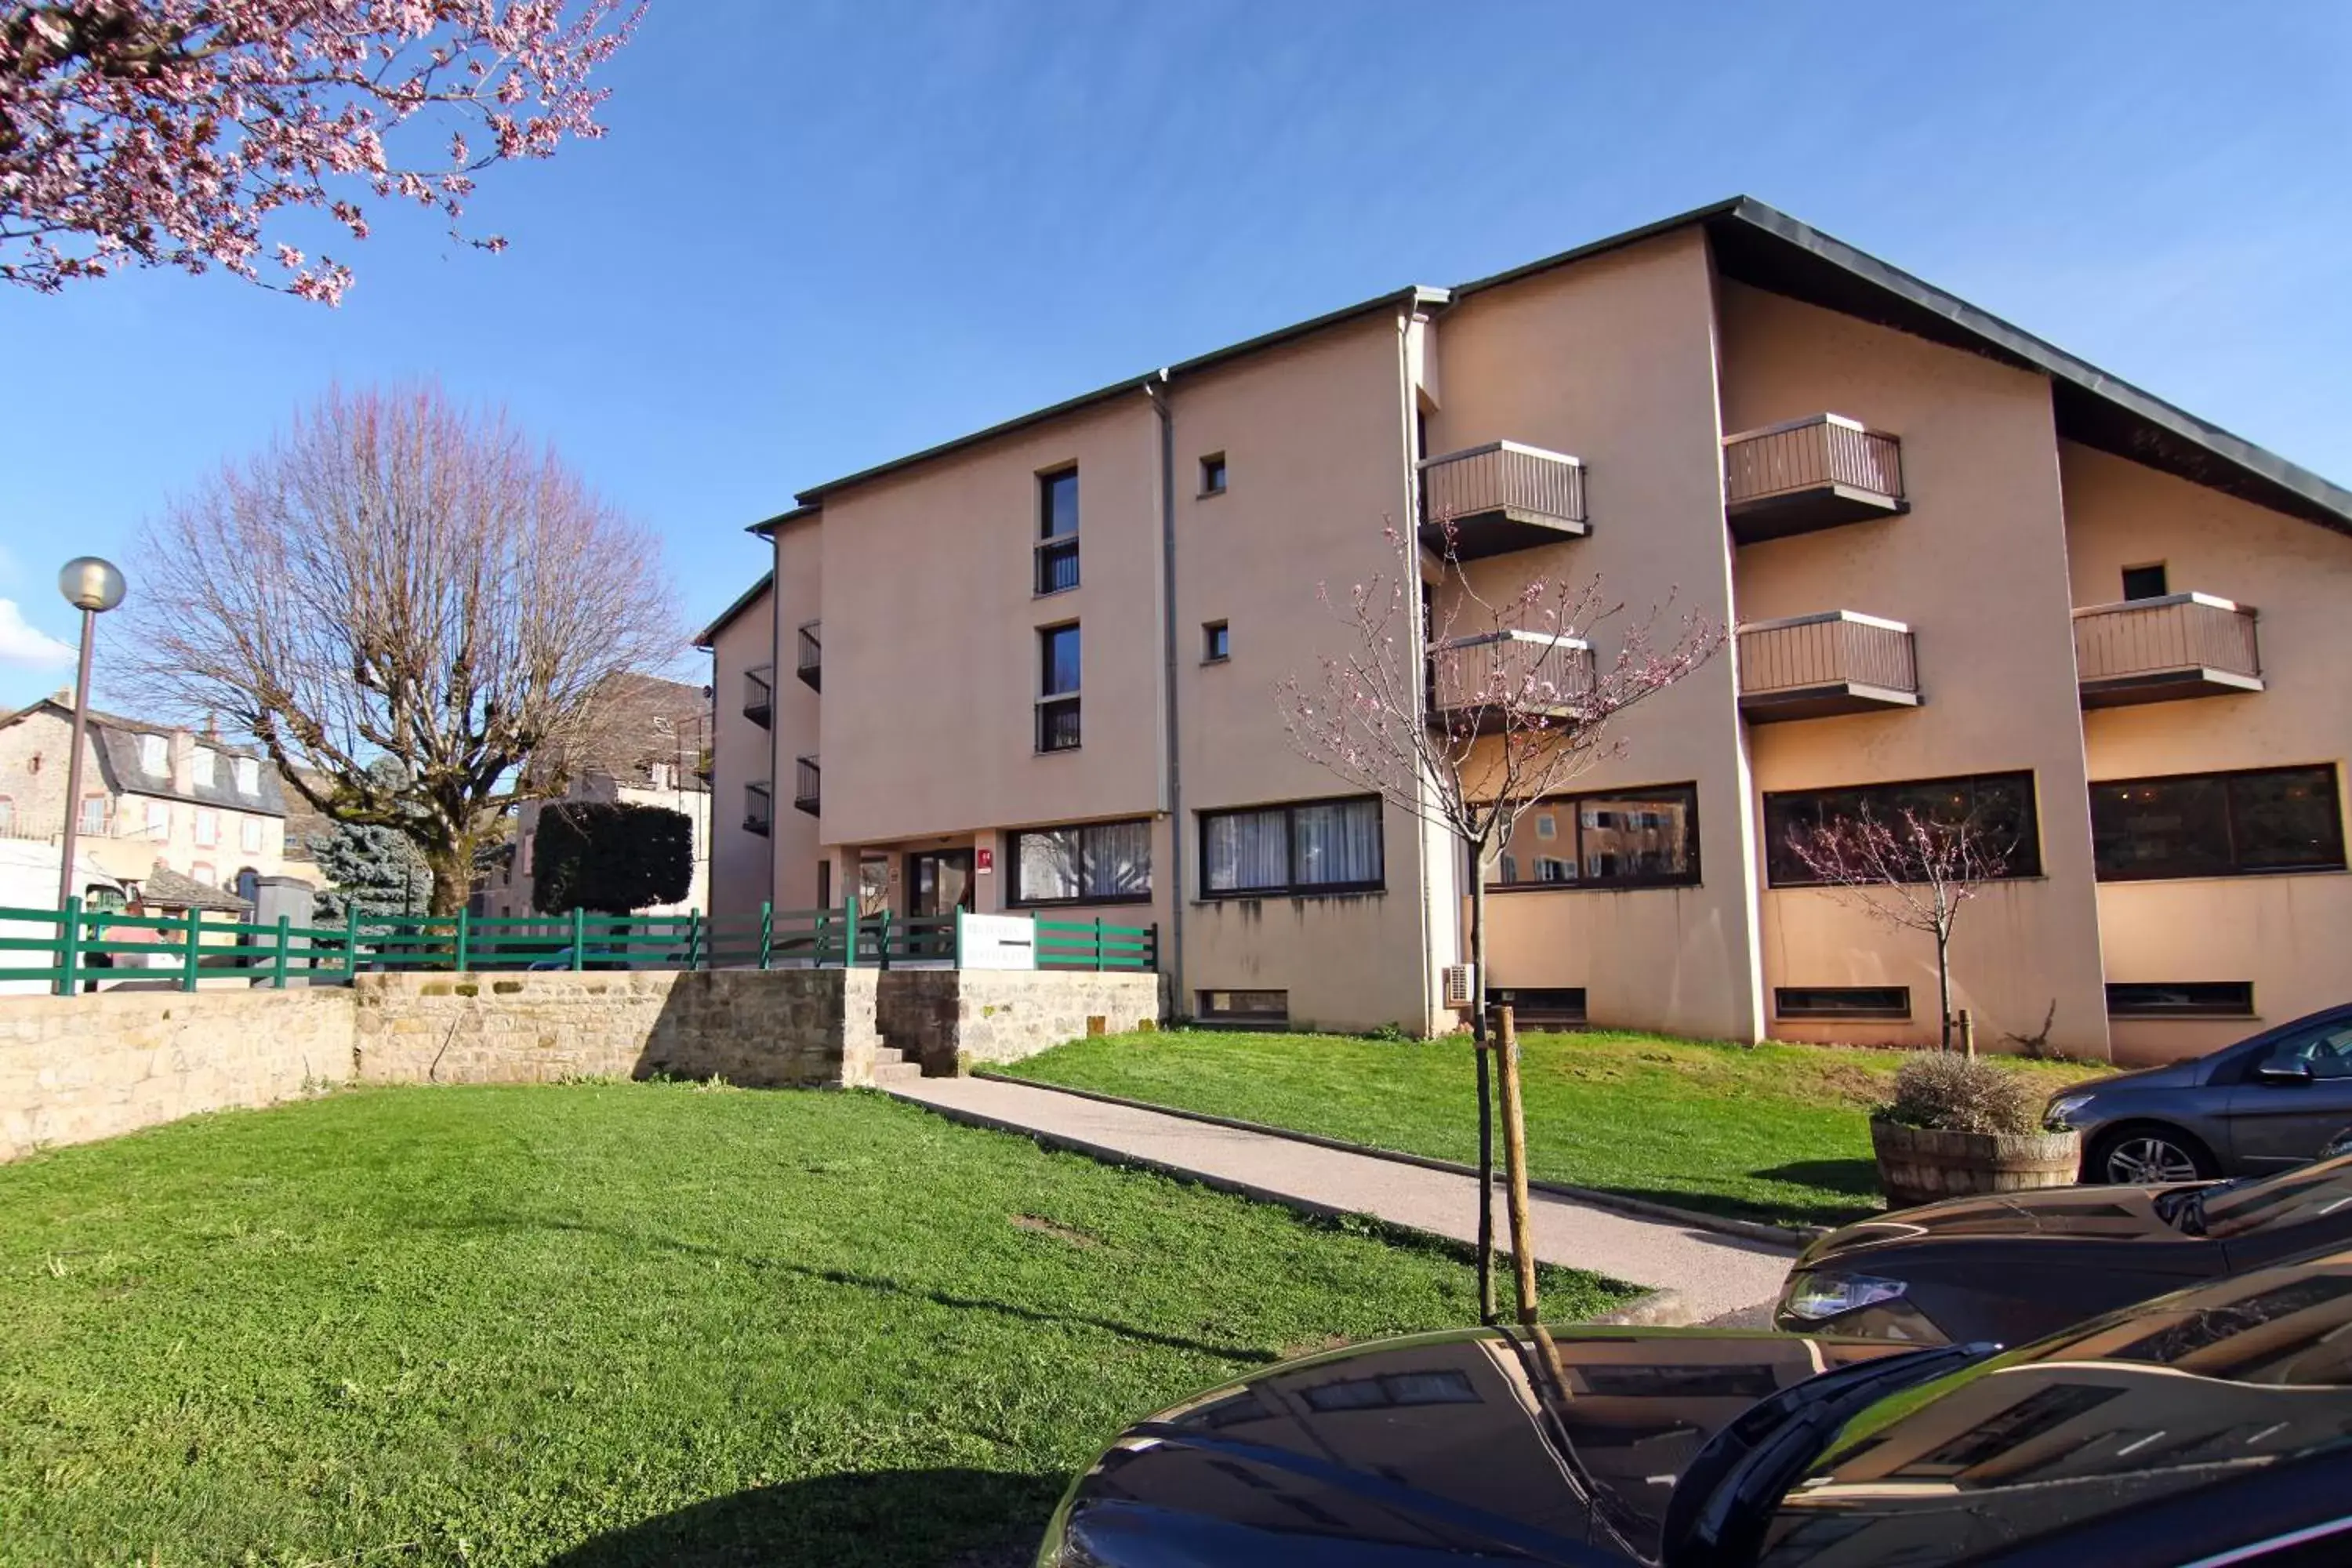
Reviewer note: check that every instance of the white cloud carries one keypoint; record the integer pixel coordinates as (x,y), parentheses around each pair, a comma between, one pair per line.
(25,646)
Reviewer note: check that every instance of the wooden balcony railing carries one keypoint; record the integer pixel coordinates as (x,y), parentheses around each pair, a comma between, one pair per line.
(1500,497)
(1815,667)
(758,695)
(811,665)
(807,795)
(1476,682)
(1815,472)
(2152,651)
(759,809)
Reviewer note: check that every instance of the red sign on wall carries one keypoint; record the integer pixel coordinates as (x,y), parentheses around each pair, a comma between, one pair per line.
(984,860)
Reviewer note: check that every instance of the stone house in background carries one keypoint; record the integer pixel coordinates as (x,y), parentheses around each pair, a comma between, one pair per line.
(153,795)
(655,751)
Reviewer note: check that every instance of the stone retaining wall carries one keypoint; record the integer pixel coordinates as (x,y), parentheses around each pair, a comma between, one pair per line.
(950,1019)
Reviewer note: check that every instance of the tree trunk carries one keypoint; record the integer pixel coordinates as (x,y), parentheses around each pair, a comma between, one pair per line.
(1944,984)
(1515,1164)
(453,878)
(1486,1312)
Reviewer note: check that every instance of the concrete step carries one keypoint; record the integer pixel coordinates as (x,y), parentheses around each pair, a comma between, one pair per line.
(889,1056)
(897,1072)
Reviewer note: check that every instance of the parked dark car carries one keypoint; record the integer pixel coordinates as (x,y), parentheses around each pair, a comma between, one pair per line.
(2202,1427)
(2022,1264)
(2261,1105)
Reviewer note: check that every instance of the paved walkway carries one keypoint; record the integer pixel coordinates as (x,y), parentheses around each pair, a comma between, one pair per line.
(1712,1274)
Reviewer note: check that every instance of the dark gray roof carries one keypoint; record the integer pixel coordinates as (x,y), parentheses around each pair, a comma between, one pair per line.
(1766,248)
(118,758)
(164,889)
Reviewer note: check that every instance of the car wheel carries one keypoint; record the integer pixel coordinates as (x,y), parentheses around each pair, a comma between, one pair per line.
(2149,1156)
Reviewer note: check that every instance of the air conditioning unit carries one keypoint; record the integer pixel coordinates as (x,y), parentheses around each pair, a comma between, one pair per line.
(1461,984)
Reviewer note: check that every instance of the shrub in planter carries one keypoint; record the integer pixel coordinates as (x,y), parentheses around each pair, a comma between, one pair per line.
(1959,1126)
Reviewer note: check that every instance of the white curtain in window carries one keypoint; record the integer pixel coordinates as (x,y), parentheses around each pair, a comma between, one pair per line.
(1247,850)
(1119,860)
(1338,844)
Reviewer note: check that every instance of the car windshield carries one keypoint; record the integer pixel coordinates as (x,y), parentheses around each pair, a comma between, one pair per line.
(2298,1196)
(2178,1393)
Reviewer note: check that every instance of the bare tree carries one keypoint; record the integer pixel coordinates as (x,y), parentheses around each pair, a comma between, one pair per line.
(1916,873)
(1464,708)
(397,577)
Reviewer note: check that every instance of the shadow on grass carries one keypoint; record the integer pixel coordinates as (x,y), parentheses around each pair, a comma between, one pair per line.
(876,1285)
(1859,1177)
(922,1519)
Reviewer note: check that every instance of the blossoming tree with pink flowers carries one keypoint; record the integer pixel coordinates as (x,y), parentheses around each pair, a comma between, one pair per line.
(1464,696)
(169,133)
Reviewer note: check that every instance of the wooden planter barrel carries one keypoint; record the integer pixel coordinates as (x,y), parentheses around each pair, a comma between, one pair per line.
(1920,1166)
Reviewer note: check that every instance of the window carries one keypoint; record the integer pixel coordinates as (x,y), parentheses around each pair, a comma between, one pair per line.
(2327,1051)
(1534,1004)
(94,815)
(873,883)
(1103,862)
(824,884)
(1057,700)
(2182,999)
(2217,825)
(1841,1002)
(247,773)
(1058,530)
(2145,581)
(201,766)
(1622,838)
(154,756)
(159,820)
(1216,644)
(1244,1007)
(1317,847)
(207,827)
(2000,806)
(1213,474)
(248,835)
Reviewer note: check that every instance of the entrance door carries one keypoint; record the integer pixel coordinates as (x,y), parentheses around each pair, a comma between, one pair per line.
(939,881)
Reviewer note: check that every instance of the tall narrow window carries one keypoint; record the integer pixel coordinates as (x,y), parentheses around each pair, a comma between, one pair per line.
(1213,474)
(207,827)
(1058,530)
(202,764)
(249,835)
(1216,643)
(154,756)
(94,815)
(248,776)
(1057,690)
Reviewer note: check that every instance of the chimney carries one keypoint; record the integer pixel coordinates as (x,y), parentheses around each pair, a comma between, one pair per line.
(212,728)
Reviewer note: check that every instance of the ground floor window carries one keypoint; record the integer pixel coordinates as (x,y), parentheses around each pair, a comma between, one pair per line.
(1999,807)
(1796,1001)
(2181,999)
(1096,862)
(1618,839)
(2217,825)
(1312,847)
(1244,1007)
(1540,1004)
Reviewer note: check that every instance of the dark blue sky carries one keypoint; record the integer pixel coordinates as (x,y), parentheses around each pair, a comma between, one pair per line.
(819,236)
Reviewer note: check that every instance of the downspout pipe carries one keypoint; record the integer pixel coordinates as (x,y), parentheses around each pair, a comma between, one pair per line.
(1156,391)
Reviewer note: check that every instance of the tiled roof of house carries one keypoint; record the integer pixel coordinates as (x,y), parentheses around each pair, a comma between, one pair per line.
(122,758)
(164,889)
(657,724)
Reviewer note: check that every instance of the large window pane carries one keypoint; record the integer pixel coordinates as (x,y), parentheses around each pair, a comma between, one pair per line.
(1247,850)
(1335,844)
(1119,860)
(2160,827)
(1057,504)
(1058,651)
(2000,806)
(2285,820)
(1104,861)
(1045,866)
(1631,838)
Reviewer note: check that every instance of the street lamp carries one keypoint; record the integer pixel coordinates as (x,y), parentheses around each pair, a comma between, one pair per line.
(92,586)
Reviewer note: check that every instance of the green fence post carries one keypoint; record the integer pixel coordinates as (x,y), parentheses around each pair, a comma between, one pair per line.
(195,940)
(464,936)
(882,942)
(1098,946)
(579,934)
(693,934)
(849,932)
(70,946)
(350,941)
(767,931)
(956,957)
(278,974)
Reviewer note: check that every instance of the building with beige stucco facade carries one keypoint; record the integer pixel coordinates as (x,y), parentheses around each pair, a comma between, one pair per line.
(1034,667)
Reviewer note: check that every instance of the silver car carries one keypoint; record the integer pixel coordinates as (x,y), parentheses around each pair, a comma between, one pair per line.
(2247,1110)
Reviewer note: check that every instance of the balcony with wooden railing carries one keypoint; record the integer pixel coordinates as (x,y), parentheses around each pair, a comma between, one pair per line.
(1500,497)
(760,695)
(759,809)
(1811,473)
(1480,684)
(811,665)
(1821,666)
(2161,649)
(806,794)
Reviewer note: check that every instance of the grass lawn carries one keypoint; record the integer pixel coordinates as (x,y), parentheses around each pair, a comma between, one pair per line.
(607,1324)
(1772,1132)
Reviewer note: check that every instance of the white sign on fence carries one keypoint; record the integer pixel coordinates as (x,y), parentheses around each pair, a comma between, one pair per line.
(999,942)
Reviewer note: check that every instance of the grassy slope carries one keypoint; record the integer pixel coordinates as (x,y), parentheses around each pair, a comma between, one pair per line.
(618,1323)
(1769,1133)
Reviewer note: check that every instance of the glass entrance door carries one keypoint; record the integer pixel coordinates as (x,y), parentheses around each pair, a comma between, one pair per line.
(939,881)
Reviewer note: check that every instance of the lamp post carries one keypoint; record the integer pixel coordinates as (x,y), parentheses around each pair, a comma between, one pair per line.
(92,586)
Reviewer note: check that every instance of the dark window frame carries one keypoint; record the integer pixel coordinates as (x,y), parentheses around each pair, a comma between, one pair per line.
(1576,845)
(1293,888)
(2163,582)
(1054,702)
(1216,642)
(1853,1009)
(2025,865)
(1055,549)
(1214,468)
(2230,815)
(1016,898)
(2218,1006)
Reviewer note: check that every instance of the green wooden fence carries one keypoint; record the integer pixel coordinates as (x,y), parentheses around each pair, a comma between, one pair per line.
(78,949)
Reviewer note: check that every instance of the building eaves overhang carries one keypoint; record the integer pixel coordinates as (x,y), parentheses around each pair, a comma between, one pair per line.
(726,617)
